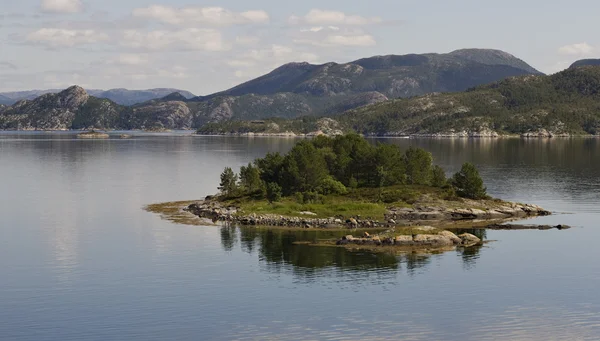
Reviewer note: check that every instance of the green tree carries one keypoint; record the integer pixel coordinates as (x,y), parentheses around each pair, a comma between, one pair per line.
(250,178)
(228,184)
(304,168)
(273,192)
(418,166)
(468,183)
(270,167)
(331,186)
(438,177)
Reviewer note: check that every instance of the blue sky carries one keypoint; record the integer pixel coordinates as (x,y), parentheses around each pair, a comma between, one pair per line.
(207,46)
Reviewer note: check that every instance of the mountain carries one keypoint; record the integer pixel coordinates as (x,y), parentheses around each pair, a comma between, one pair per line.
(74,108)
(120,96)
(130,97)
(565,103)
(290,91)
(586,62)
(298,89)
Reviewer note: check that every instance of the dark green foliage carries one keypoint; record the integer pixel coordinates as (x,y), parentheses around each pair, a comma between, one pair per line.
(468,183)
(273,192)
(331,186)
(438,177)
(250,180)
(418,163)
(304,167)
(315,169)
(228,184)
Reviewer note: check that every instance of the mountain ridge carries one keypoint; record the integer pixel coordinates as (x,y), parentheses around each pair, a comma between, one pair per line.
(118,95)
(289,91)
(562,104)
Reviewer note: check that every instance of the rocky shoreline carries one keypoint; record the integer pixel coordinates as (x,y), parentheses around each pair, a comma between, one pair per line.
(438,240)
(215,211)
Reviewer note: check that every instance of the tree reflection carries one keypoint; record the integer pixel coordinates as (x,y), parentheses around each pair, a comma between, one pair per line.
(282,249)
(228,237)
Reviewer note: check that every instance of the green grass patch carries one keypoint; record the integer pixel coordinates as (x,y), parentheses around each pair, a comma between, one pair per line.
(331,206)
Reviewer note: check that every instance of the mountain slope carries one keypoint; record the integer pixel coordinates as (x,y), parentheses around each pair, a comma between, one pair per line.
(561,104)
(324,89)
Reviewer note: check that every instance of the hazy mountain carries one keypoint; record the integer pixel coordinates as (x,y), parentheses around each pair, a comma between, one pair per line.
(561,104)
(120,96)
(5,100)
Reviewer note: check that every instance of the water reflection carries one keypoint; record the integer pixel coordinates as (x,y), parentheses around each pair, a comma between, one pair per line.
(279,249)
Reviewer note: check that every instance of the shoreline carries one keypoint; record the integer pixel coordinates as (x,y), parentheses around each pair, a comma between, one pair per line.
(192,132)
(489,211)
(417,235)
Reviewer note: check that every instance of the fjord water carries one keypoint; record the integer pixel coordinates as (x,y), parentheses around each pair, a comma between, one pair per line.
(81,260)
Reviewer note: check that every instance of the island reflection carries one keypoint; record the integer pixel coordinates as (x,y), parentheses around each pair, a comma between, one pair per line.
(278,250)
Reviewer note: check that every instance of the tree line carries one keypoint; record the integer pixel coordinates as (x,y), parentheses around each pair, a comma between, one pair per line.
(326,166)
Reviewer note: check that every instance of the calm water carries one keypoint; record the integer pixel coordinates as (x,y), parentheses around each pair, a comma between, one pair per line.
(81,260)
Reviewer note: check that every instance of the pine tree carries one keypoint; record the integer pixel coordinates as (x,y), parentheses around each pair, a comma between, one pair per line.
(468,183)
(228,184)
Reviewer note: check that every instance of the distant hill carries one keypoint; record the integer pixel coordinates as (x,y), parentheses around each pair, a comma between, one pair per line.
(120,96)
(586,62)
(565,103)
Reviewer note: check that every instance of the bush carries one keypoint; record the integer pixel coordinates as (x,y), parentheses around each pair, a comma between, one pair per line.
(273,192)
(438,177)
(331,186)
(468,183)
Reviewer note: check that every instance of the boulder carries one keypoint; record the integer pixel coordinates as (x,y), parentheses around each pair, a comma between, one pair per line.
(432,240)
(469,239)
(404,241)
(454,238)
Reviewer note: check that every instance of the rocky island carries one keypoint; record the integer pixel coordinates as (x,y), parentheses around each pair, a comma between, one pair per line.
(92,134)
(347,183)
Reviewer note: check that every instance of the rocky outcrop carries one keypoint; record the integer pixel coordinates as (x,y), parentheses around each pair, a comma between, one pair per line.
(214,210)
(443,239)
(163,115)
(494,211)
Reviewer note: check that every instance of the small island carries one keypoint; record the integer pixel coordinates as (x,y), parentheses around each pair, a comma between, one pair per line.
(345,182)
(93,134)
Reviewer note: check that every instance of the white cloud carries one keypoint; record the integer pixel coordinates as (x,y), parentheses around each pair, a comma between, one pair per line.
(247,40)
(132,59)
(214,16)
(62,6)
(187,39)
(333,36)
(580,49)
(259,61)
(325,17)
(358,40)
(56,37)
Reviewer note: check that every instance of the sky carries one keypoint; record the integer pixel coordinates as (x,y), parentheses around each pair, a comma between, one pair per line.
(209,46)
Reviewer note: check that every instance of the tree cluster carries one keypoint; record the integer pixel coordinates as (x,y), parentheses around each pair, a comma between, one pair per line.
(325,166)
